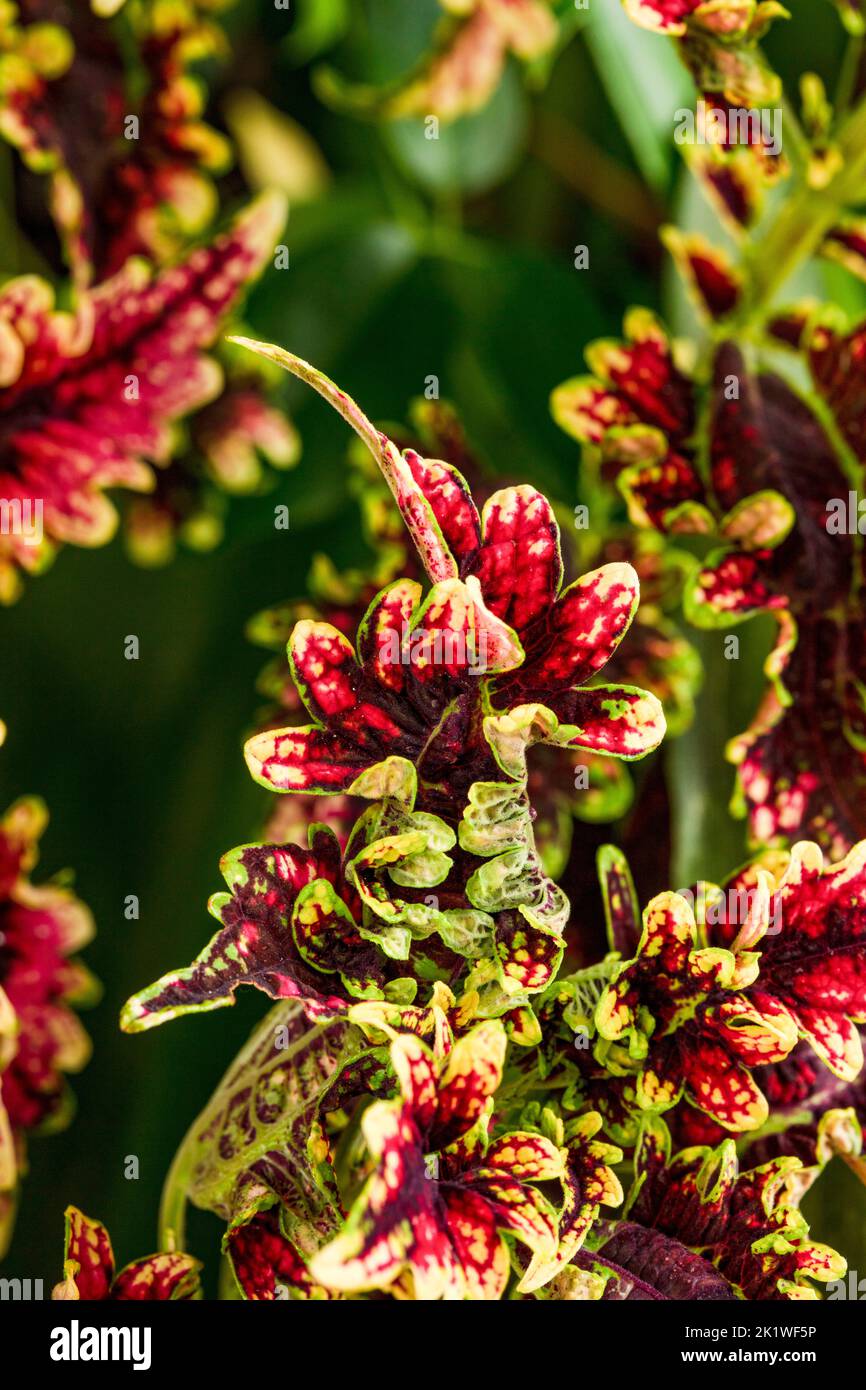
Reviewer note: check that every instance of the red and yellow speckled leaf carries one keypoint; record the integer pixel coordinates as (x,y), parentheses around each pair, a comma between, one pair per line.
(382,634)
(518,1208)
(642,374)
(471,1075)
(394,1224)
(620,721)
(88,1258)
(89,1269)
(586,409)
(589,1183)
(730,587)
(581,632)
(473,1227)
(519,566)
(657,1092)
(667,940)
(258,942)
(166,1277)
(447,492)
(524,1154)
(660,490)
(621,909)
(669,932)
(723,1088)
(528,956)
(757,1028)
(813,962)
(743,1223)
(714,283)
(87,400)
(639,408)
(325,670)
(309,759)
(328,939)
(459,635)
(835,1039)
(417,1074)
(268,1266)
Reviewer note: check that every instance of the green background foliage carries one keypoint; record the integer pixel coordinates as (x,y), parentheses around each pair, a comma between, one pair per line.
(452,258)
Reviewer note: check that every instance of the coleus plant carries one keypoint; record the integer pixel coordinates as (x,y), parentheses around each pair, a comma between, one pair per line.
(133,174)
(513,673)
(718,991)
(435,1107)
(42,982)
(731,446)
(88,398)
(89,1270)
(106,111)
(587,786)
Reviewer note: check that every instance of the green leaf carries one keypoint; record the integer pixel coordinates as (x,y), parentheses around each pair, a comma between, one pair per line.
(259,1120)
(470,155)
(645,84)
(320,24)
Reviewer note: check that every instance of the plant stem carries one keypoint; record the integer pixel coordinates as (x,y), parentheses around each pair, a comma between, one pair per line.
(794,136)
(848,74)
(172,1205)
(227,1289)
(805,218)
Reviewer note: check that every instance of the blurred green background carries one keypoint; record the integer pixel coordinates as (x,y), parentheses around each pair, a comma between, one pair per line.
(452,258)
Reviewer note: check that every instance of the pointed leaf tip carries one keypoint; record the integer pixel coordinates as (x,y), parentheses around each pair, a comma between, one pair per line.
(414,506)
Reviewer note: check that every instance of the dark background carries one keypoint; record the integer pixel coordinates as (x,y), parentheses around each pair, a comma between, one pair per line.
(453,259)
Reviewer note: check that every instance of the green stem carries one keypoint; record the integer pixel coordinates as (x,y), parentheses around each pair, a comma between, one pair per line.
(806,218)
(848,74)
(227,1288)
(794,136)
(172,1205)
